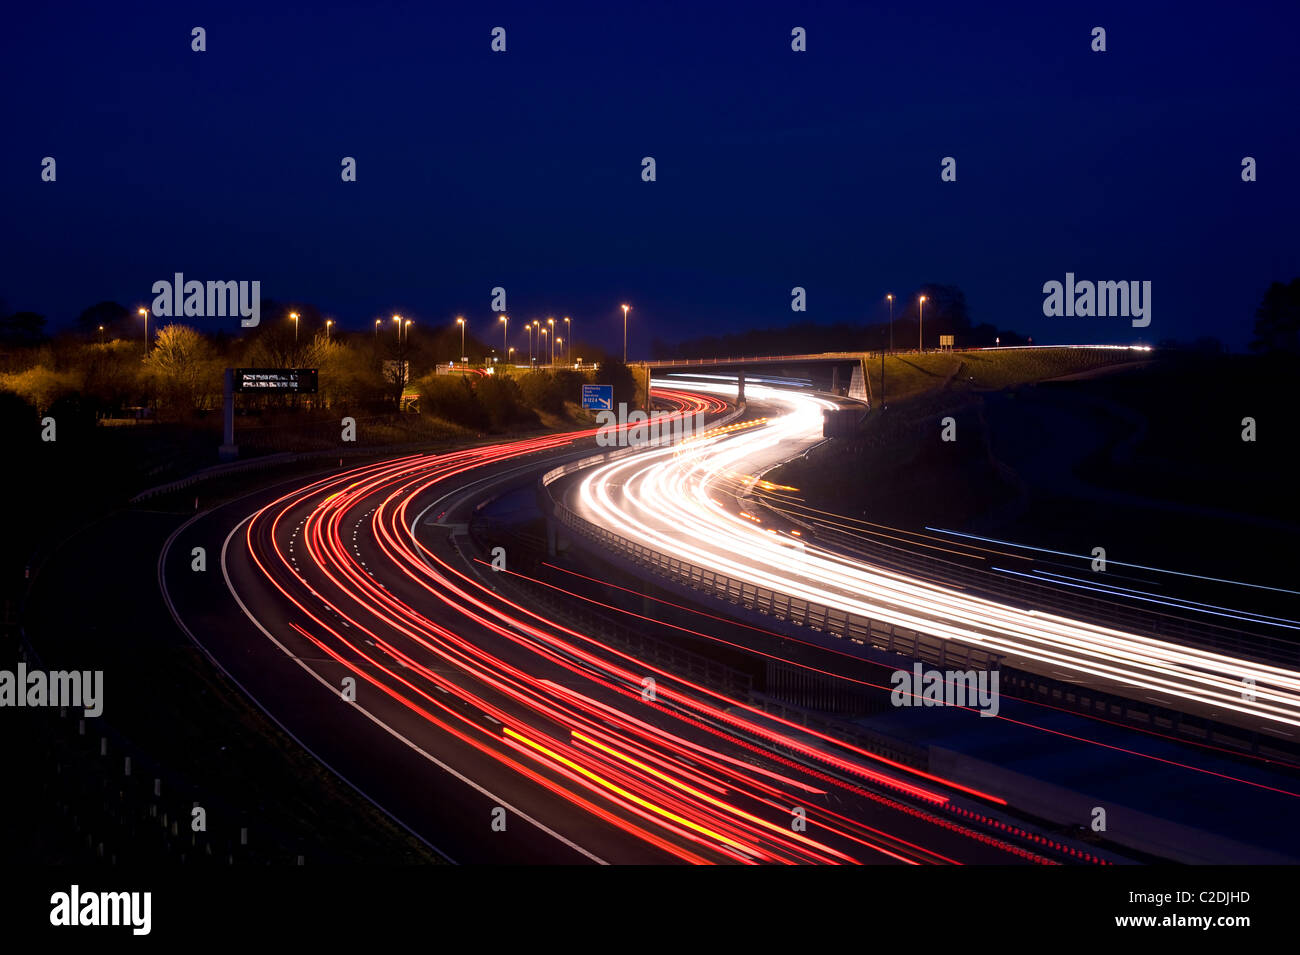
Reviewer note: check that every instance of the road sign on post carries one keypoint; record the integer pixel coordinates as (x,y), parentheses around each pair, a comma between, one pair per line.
(598,397)
(270,381)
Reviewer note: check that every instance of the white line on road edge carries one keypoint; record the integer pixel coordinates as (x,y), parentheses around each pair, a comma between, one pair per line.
(430,757)
(176,617)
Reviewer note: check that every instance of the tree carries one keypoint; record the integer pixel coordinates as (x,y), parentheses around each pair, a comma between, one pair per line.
(181,361)
(1277,320)
(22,328)
(115,318)
(40,385)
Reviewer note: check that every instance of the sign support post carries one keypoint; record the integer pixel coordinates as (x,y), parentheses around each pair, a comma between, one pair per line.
(228,451)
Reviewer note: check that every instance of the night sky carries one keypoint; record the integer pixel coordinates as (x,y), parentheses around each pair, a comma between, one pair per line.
(775,168)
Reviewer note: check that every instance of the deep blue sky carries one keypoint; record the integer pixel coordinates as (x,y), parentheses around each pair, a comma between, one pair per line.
(775,168)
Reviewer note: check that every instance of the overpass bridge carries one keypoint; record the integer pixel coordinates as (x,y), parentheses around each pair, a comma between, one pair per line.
(841,373)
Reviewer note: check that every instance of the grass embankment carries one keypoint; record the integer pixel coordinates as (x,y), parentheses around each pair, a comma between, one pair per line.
(898,470)
(908,376)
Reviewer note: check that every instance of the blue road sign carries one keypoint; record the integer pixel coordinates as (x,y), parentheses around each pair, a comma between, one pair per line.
(598,397)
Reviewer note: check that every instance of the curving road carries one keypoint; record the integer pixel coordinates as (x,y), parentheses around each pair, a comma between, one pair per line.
(682,502)
(351,609)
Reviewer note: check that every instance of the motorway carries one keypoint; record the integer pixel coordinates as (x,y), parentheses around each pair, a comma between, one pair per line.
(352,609)
(683,502)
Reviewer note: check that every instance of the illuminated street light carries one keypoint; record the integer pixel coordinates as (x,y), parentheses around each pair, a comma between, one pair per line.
(294,316)
(568,334)
(505,329)
(145,313)
(625,308)
(889,296)
(891,320)
(920,325)
(551,323)
(461,322)
(101,334)
(378,322)
(329,323)
(510,355)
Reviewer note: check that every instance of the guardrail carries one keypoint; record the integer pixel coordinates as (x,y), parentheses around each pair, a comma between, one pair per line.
(794,610)
(1044,595)
(271,461)
(944,654)
(932,650)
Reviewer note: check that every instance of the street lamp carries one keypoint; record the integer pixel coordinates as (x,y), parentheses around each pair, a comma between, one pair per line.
(101,334)
(461,322)
(568,334)
(505,330)
(544,340)
(890,296)
(294,316)
(510,355)
(560,341)
(537,336)
(625,308)
(378,322)
(329,322)
(145,313)
(920,326)
(551,323)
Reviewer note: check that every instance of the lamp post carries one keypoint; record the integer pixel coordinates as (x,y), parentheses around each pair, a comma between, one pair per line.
(545,344)
(920,326)
(537,336)
(145,312)
(461,322)
(550,324)
(329,323)
(406,325)
(890,296)
(505,332)
(625,308)
(568,333)
(378,322)
(560,341)
(101,334)
(294,316)
(882,377)
(510,355)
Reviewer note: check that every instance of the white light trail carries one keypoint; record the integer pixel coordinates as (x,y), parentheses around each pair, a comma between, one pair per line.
(669,500)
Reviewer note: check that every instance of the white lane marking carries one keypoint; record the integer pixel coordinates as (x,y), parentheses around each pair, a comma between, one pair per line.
(176,617)
(333,692)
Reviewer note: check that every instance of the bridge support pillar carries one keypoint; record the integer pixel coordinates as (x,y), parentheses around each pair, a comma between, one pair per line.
(740,387)
(835,379)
